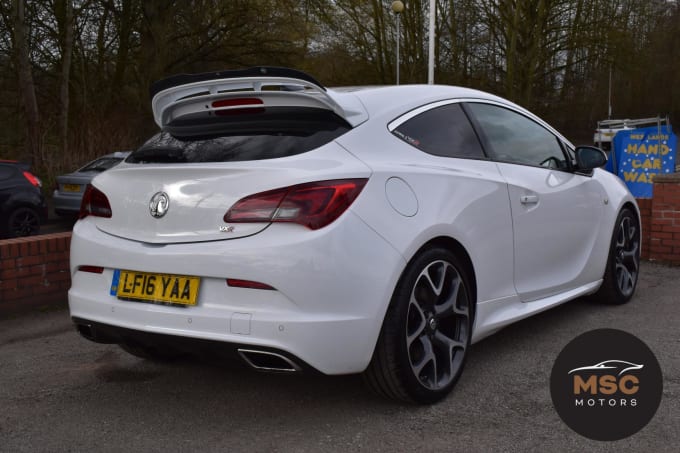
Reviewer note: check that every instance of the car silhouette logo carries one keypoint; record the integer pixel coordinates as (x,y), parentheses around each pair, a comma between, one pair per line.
(610,365)
(159,205)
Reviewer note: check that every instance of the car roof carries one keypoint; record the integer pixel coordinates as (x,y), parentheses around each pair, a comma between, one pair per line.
(380,100)
(388,102)
(25,166)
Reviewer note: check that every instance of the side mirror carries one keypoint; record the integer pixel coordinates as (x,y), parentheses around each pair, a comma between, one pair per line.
(589,158)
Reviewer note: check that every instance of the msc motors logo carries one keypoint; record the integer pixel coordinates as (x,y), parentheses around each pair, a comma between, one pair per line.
(606,384)
(599,384)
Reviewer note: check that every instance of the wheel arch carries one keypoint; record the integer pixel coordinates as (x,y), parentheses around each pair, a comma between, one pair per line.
(457,248)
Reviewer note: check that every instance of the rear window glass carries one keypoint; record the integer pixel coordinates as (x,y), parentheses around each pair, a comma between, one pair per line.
(276,132)
(102,164)
(6,172)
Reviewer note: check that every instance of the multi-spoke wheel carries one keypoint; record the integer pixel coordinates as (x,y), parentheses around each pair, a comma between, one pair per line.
(23,221)
(621,274)
(426,333)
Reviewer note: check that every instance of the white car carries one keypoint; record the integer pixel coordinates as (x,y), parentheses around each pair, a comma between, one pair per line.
(376,230)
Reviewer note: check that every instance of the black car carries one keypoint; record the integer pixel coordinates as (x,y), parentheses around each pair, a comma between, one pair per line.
(22,205)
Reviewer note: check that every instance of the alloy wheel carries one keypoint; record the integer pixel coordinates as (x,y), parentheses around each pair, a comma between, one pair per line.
(627,255)
(437,332)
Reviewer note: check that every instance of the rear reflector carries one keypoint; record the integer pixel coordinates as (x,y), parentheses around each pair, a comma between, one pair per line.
(91,269)
(94,203)
(313,205)
(237,283)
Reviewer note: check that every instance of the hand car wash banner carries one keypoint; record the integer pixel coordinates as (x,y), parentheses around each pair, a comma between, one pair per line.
(640,154)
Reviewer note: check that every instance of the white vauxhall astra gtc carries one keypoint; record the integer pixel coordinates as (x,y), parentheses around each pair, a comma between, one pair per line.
(379,230)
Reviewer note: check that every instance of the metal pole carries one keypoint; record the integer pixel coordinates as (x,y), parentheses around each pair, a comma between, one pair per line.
(430,65)
(397,8)
(609,115)
(398,35)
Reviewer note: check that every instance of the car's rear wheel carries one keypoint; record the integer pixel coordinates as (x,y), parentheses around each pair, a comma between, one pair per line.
(424,340)
(23,221)
(623,264)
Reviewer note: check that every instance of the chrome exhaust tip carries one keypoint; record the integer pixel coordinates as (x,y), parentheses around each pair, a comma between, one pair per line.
(268,361)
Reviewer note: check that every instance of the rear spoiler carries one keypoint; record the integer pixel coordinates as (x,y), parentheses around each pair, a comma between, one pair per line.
(259,71)
(254,88)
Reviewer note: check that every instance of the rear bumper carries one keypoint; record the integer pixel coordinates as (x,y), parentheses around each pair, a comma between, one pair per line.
(332,290)
(66,204)
(235,352)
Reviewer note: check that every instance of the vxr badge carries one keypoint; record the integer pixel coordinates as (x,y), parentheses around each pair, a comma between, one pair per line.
(159,205)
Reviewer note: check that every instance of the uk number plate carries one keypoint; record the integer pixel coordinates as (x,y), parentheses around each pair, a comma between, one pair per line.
(71,187)
(144,286)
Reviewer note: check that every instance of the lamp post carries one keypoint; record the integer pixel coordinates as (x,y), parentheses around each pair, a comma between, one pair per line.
(397,8)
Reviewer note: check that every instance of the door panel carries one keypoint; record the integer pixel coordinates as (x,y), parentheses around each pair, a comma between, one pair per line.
(555,212)
(555,216)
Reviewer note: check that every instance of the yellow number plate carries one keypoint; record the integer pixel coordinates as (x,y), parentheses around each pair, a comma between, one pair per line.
(71,187)
(173,289)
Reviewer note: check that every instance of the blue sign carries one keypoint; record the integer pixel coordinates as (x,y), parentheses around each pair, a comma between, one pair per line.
(640,154)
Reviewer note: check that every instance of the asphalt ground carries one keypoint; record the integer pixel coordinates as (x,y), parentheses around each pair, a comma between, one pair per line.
(59,392)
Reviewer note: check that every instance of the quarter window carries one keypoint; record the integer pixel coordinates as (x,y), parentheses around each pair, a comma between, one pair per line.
(442,131)
(517,139)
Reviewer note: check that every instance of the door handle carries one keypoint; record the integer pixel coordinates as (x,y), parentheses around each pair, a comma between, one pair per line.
(528,199)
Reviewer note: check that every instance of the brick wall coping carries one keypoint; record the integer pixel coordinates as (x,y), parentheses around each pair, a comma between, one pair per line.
(667,178)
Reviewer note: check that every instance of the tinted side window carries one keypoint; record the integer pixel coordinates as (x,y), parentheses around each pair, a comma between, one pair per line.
(517,139)
(442,131)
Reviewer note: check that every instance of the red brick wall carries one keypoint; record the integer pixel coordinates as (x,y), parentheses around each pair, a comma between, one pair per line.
(34,271)
(664,241)
(645,205)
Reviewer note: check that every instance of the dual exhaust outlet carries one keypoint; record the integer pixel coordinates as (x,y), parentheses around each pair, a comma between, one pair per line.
(268,361)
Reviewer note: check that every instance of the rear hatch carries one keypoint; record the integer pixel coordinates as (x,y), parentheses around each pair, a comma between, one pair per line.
(201,164)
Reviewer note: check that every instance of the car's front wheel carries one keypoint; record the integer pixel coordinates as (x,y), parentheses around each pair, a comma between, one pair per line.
(426,333)
(623,264)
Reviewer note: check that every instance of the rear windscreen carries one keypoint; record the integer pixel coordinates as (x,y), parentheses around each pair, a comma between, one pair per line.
(102,164)
(245,135)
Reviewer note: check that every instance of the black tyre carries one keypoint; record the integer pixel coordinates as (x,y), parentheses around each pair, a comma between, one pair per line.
(23,221)
(426,333)
(153,353)
(623,264)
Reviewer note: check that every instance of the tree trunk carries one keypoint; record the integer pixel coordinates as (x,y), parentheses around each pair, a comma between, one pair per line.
(33,148)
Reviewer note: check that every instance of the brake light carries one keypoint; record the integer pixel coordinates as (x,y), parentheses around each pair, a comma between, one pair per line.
(32,179)
(94,203)
(229,106)
(313,205)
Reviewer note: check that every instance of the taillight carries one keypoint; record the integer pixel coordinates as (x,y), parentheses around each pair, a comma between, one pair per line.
(32,179)
(94,203)
(314,204)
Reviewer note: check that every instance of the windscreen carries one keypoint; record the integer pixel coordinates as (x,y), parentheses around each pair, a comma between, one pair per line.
(242,136)
(102,164)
